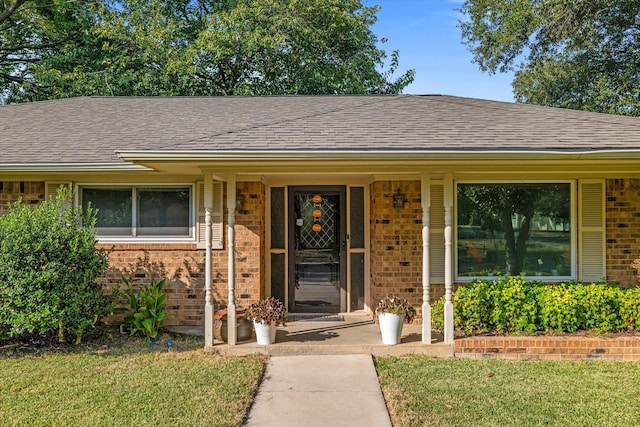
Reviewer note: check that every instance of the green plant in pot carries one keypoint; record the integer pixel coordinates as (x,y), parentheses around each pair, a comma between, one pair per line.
(266,314)
(392,312)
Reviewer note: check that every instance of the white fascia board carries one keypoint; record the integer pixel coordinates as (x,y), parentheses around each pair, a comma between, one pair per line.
(268,155)
(70,167)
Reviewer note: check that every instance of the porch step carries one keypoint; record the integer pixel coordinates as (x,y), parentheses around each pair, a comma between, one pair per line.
(356,334)
(287,349)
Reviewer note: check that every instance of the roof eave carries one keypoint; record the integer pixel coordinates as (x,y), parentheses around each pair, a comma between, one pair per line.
(71,167)
(283,155)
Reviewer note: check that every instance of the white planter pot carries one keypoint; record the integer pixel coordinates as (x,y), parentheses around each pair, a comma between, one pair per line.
(265,334)
(390,327)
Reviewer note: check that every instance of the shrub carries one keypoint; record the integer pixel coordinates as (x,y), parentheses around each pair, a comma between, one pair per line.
(560,309)
(48,269)
(437,315)
(630,310)
(146,310)
(510,304)
(514,303)
(572,306)
(473,304)
(601,306)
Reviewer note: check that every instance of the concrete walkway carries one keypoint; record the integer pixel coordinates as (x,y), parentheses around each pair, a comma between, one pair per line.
(319,390)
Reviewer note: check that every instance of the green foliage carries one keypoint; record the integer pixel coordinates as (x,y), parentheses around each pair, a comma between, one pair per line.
(34,29)
(582,55)
(561,309)
(146,310)
(263,47)
(630,310)
(511,305)
(473,307)
(515,307)
(48,269)
(571,306)
(437,315)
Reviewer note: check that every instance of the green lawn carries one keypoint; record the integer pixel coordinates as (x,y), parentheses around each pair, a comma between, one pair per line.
(130,384)
(464,392)
(145,388)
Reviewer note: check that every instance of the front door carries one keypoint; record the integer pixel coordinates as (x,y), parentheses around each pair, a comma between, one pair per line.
(317,242)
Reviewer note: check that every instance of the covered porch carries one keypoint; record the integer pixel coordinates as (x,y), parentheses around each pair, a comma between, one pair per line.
(420,335)
(350,333)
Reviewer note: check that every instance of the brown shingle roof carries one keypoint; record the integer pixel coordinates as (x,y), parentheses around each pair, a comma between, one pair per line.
(91,129)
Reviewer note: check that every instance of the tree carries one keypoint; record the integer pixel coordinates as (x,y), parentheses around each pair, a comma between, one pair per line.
(213,47)
(581,54)
(31,30)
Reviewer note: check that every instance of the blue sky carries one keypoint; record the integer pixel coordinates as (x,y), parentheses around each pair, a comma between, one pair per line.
(426,34)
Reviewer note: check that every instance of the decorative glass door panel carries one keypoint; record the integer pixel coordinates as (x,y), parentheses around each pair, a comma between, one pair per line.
(317,250)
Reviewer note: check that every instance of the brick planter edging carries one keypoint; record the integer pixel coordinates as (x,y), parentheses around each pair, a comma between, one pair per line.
(549,348)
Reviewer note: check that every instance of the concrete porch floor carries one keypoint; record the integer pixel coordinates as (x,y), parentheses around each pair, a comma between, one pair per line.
(356,334)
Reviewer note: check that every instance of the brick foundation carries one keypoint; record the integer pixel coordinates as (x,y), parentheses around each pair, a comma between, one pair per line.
(549,348)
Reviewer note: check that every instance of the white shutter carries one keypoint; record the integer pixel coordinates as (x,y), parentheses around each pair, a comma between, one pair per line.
(591,230)
(51,188)
(217,212)
(436,234)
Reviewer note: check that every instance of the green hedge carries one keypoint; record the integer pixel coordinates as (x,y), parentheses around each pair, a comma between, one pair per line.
(512,305)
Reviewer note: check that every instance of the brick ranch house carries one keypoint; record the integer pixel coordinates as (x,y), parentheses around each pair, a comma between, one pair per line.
(333,202)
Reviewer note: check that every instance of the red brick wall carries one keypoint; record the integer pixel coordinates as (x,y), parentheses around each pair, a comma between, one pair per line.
(396,244)
(11,191)
(183,265)
(549,348)
(396,247)
(250,244)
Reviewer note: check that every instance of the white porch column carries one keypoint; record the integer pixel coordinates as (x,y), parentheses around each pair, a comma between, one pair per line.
(425,191)
(231,237)
(208,304)
(448,258)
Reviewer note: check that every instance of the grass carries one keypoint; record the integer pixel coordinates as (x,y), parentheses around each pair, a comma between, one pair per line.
(463,392)
(126,385)
(116,380)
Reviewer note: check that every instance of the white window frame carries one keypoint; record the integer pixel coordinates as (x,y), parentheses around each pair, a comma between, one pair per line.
(573,230)
(191,238)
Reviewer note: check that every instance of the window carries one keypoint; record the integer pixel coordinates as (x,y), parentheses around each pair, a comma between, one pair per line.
(141,211)
(514,229)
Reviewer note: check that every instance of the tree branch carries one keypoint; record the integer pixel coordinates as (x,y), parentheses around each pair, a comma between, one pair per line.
(11,10)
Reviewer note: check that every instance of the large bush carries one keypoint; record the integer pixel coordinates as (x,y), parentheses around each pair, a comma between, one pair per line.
(49,264)
(511,305)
